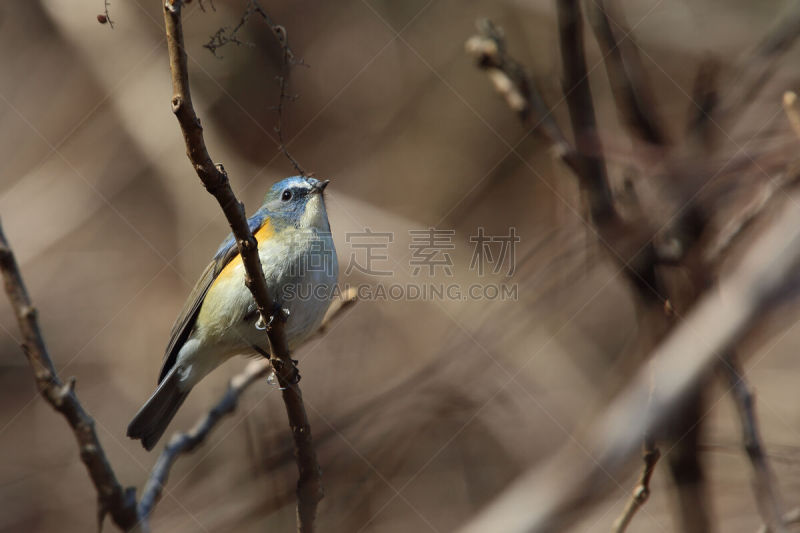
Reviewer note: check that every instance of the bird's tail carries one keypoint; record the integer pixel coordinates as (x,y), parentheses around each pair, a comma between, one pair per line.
(155,415)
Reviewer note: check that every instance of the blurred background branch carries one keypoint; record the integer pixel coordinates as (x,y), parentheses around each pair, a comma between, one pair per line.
(112,498)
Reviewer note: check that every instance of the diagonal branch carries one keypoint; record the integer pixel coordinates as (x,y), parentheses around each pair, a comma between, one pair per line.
(514,84)
(641,492)
(764,485)
(309,488)
(112,498)
(629,84)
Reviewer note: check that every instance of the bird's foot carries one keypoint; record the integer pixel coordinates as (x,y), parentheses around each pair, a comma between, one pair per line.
(289,375)
(278,313)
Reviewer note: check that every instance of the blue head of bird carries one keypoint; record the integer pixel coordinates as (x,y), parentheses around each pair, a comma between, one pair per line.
(299,201)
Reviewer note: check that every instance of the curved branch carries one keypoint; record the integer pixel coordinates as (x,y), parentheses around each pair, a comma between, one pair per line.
(309,488)
(112,498)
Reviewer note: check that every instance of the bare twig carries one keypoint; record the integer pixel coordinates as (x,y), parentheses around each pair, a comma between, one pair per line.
(764,485)
(510,79)
(202,5)
(309,487)
(641,492)
(105,17)
(112,498)
(634,99)
(717,321)
(282,99)
(227,35)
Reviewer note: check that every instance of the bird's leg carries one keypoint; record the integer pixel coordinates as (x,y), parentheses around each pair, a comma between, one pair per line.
(260,351)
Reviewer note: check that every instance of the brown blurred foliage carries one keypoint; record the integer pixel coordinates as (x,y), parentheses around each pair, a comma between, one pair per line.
(422,410)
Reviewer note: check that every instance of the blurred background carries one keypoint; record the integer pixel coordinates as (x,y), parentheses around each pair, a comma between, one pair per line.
(422,411)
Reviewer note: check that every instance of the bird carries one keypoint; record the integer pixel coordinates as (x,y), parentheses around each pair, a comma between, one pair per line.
(220,318)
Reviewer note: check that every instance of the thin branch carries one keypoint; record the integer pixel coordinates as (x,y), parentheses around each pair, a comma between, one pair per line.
(105,16)
(203,7)
(634,99)
(112,498)
(764,485)
(227,35)
(309,487)
(641,492)
(719,319)
(282,99)
(510,79)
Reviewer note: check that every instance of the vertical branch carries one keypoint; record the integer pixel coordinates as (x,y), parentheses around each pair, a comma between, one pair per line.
(684,464)
(581,111)
(284,97)
(309,488)
(112,498)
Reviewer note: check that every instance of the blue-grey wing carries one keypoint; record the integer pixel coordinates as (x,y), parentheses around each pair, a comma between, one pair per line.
(186,319)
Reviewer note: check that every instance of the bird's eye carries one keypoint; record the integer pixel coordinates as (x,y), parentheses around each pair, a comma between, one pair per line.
(287,195)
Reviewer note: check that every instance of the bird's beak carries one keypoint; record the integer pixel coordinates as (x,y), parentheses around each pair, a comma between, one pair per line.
(320,185)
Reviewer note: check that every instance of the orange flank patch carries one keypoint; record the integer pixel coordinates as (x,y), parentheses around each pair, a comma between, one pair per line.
(264,233)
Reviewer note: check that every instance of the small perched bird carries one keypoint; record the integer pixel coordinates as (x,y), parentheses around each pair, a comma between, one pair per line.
(220,318)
